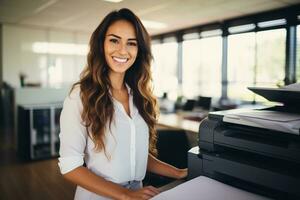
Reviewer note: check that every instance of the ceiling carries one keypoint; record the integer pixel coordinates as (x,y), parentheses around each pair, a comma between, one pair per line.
(85,15)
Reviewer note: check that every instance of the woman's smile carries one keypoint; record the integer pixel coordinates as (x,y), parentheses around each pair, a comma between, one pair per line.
(119,59)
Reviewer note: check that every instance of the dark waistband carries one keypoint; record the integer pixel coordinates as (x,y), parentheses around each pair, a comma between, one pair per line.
(129,182)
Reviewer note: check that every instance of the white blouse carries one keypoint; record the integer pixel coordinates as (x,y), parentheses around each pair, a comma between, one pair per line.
(126,144)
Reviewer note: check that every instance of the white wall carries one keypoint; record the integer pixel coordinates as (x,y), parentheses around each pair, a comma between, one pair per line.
(17,55)
(48,69)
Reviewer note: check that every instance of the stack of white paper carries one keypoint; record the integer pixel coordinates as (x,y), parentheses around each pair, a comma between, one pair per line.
(204,188)
(274,120)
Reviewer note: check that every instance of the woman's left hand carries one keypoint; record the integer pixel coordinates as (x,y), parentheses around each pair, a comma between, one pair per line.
(182,173)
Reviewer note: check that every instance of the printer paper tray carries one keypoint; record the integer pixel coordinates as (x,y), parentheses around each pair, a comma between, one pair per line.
(282,149)
(214,164)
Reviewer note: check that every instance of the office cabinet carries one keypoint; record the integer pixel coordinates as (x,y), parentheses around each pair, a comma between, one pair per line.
(38,129)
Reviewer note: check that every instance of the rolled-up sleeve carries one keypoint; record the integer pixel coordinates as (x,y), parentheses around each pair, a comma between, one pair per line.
(73,135)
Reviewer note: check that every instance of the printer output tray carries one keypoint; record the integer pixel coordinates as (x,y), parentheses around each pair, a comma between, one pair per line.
(215,135)
(287,96)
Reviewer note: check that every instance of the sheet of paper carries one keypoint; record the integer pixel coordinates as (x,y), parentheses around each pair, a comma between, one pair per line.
(204,188)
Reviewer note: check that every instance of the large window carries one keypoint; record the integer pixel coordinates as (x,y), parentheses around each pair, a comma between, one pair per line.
(165,69)
(201,68)
(241,62)
(255,59)
(270,57)
(254,55)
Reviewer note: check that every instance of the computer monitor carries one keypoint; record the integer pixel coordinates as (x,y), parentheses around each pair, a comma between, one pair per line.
(204,102)
(189,105)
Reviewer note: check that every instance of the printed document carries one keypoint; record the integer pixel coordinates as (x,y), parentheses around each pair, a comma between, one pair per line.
(204,188)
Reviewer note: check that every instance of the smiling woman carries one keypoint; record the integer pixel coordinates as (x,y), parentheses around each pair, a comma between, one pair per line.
(108,120)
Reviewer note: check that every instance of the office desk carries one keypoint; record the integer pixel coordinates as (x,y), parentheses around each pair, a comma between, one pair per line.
(179,121)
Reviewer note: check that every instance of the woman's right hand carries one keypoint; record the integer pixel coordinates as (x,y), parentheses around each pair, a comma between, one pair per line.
(140,194)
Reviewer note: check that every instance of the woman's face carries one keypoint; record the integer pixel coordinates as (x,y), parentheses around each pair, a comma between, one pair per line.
(120,46)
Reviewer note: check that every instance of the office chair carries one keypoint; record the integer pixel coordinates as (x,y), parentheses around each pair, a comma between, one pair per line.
(172,147)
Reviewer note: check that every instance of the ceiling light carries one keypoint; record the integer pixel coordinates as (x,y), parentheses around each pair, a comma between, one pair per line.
(276,22)
(211,33)
(60,48)
(156,41)
(190,36)
(153,24)
(169,39)
(242,28)
(113,1)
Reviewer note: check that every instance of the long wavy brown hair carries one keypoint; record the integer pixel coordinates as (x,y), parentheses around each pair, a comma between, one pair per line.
(95,84)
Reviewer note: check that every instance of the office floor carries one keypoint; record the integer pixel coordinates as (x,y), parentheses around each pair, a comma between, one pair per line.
(34,180)
(29,180)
